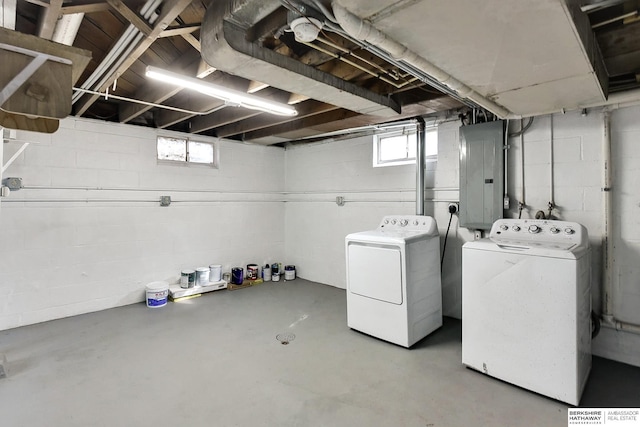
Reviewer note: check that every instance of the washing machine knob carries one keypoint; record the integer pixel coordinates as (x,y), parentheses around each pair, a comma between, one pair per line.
(403,222)
(569,230)
(555,230)
(393,222)
(386,221)
(504,227)
(516,228)
(534,229)
(416,222)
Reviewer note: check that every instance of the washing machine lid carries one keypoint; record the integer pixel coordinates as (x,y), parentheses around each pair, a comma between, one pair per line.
(548,238)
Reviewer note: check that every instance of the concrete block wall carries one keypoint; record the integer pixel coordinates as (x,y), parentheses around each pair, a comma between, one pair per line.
(88,233)
(316,226)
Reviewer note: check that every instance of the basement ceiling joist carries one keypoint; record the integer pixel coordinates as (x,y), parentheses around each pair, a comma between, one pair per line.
(172,40)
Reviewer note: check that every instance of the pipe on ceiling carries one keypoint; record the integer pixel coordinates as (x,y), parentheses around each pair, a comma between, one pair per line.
(364,31)
(225,46)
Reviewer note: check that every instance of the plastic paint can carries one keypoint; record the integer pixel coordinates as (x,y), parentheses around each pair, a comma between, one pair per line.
(157,294)
(187,278)
(266,273)
(237,275)
(252,271)
(289,272)
(215,273)
(202,276)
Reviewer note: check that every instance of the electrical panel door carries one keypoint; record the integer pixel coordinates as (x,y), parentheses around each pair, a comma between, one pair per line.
(481,174)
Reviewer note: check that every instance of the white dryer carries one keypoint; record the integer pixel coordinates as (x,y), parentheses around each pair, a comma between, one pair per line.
(526,305)
(393,279)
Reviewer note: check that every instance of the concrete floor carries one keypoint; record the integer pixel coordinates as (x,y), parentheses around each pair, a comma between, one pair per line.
(215,361)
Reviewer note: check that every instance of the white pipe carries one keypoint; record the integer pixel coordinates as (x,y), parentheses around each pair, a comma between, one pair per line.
(608,319)
(420,164)
(552,202)
(66,28)
(521,202)
(363,30)
(607,226)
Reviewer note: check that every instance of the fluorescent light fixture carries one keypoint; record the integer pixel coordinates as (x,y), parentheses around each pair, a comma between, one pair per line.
(230,96)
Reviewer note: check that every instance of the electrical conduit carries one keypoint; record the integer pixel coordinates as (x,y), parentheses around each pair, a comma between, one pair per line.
(420,164)
(364,31)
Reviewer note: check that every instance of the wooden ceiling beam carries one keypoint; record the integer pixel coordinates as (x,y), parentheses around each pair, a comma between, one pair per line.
(129,15)
(305,122)
(224,117)
(48,18)
(179,31)
(85,7)
(170,11)
(306,109)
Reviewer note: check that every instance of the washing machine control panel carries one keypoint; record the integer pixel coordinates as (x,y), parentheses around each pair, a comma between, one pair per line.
(408,223)
(538,231)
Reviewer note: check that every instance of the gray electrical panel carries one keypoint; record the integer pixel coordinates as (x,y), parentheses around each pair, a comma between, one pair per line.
(481,174)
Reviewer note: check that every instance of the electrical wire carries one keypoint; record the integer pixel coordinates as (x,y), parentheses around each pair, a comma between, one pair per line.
(524,129)
(444,246)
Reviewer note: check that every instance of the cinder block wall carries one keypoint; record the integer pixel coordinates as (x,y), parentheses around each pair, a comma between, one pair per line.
(316,226)
(88,232)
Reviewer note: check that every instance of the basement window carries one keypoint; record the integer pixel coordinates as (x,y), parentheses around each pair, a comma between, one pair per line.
(186,151)
(399,147)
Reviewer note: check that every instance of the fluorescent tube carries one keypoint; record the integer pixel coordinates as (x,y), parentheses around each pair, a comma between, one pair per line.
(230,96)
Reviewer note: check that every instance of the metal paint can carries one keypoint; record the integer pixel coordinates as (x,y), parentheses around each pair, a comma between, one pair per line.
(226,277)
(237,275)
(202,276)
(215,273)
(252,271)
(187,278)
(289,272)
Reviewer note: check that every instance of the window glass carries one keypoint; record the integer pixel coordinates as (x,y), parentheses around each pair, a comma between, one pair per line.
(200,152)
(172,149)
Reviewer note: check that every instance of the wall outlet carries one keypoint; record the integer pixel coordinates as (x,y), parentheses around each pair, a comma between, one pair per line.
(453,208)
(340,201)
(165,200)
(506,202)
(477,235)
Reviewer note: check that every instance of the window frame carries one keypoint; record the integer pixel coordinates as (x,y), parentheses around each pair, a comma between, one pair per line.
(377,138)
(187,162)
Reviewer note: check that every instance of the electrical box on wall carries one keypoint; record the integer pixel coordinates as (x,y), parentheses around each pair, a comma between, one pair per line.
(481,174)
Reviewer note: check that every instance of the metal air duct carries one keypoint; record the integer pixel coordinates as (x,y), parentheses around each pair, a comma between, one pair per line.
(226,47)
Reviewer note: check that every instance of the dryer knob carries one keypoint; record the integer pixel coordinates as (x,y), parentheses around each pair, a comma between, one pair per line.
(393,222)
(504,227)
(415,222)
(555,230)
(403,222)
(386,221)
(569,230)
(516,228)
(534,229)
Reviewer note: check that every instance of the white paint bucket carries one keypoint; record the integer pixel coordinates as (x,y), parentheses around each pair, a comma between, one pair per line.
(202,276)
(157,294)
(215,273)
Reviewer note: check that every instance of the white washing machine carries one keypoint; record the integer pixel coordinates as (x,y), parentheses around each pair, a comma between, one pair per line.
(526,305)
(393,279)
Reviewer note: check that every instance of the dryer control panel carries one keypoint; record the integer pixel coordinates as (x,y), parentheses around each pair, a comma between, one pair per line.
(539,231)
(408,223)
